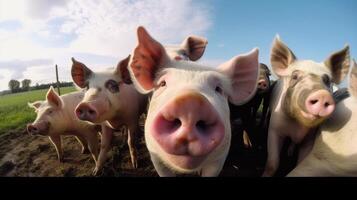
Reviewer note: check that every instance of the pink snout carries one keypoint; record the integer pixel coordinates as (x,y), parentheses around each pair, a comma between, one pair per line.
(263,84)
(320,103)
(188,128)
(38,128)
(86,112)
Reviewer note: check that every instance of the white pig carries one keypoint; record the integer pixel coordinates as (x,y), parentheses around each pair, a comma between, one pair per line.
(301,100)
(187,129)
(56,117)
(335,151)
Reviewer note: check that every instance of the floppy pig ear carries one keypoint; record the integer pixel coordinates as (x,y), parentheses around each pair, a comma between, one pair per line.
(244,73)
(35,104)
(147,59)
(353,80)
(53,98)
(339,64)
(195,47)
(122,70)
(80,74)
(281,57)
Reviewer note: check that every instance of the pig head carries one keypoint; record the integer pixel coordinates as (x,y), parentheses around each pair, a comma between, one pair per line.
(48,113)
(334,152)
(192,48)
(187,129)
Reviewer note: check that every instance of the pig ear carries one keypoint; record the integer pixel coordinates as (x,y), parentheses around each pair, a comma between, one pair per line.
(53,98)
(35,104)
(80,74)
(244,73)
(195,47)
(122,70)
(353,80)
(147,59)
(339,64)
(281,57)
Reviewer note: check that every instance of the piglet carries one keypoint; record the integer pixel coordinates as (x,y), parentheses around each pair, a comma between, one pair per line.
(301,100)
(187,130)
(55,117)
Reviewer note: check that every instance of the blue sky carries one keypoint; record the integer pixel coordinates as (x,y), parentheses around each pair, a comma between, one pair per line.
(36,34)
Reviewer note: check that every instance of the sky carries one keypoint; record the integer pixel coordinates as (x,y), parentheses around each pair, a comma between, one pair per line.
(38,34)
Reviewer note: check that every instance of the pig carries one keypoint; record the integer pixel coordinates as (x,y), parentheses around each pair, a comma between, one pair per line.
(247,113)
(108,94)
(111,101)
(192,48)
(335,152)
(301,100)
(55,117)
(187,130)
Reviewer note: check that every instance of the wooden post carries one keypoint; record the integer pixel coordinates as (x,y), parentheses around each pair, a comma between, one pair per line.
(58,83)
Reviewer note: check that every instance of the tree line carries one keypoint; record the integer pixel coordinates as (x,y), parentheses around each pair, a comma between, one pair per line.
(16,86)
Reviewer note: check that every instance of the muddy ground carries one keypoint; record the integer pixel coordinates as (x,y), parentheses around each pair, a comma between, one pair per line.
(34,156)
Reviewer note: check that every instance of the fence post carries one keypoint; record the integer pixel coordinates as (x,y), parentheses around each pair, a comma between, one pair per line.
(58,83)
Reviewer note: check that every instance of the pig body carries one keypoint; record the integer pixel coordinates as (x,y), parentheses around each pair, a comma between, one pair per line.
(187,130)
(111,101)
(56,117)
(301,100)
(247,113)
(334,152)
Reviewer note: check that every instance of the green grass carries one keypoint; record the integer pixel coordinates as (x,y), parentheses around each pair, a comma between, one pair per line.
(14,112)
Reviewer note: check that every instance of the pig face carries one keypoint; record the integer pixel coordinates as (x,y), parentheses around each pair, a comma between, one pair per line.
(264,80)
(309,84)
(48,114)
(187,123)
(192,48)
(103,91)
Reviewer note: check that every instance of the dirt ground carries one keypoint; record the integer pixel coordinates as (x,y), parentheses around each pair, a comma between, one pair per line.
(34,156)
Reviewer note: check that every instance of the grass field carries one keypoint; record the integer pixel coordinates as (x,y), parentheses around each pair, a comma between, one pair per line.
(14,112)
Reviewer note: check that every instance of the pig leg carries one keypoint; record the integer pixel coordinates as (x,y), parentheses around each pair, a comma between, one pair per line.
(160,168)
(84,144)
(107,134)
(275,144)
(92,139)
(291,149)
(306,146)
(56,141)
(132,147)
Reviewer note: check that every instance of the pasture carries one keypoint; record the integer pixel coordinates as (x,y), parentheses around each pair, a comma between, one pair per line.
(14,111)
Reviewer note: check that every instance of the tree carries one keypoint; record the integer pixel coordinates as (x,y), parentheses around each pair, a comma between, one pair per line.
(14,86)
(26,84)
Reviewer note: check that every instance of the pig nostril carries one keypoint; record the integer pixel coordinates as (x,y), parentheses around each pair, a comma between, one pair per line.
(80,111)
(176,123)
(326,104)
(313,101)
(91,112)
(202,126)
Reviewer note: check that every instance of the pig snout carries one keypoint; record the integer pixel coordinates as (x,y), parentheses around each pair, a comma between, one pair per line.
(263,84)
(86,112)
(188,126)
(38,128)
(320,103)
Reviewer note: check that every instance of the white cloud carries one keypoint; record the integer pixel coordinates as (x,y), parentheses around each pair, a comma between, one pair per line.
(91,29)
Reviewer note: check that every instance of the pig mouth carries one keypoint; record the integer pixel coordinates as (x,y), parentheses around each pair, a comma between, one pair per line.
(309,116)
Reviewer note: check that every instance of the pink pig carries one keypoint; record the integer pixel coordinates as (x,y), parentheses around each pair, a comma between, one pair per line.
(55,117)
(187,129)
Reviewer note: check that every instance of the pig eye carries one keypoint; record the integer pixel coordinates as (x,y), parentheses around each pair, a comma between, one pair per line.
(50,112)
(162,84)
(112,86)
(295,76)
(219,90)
(326,80)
